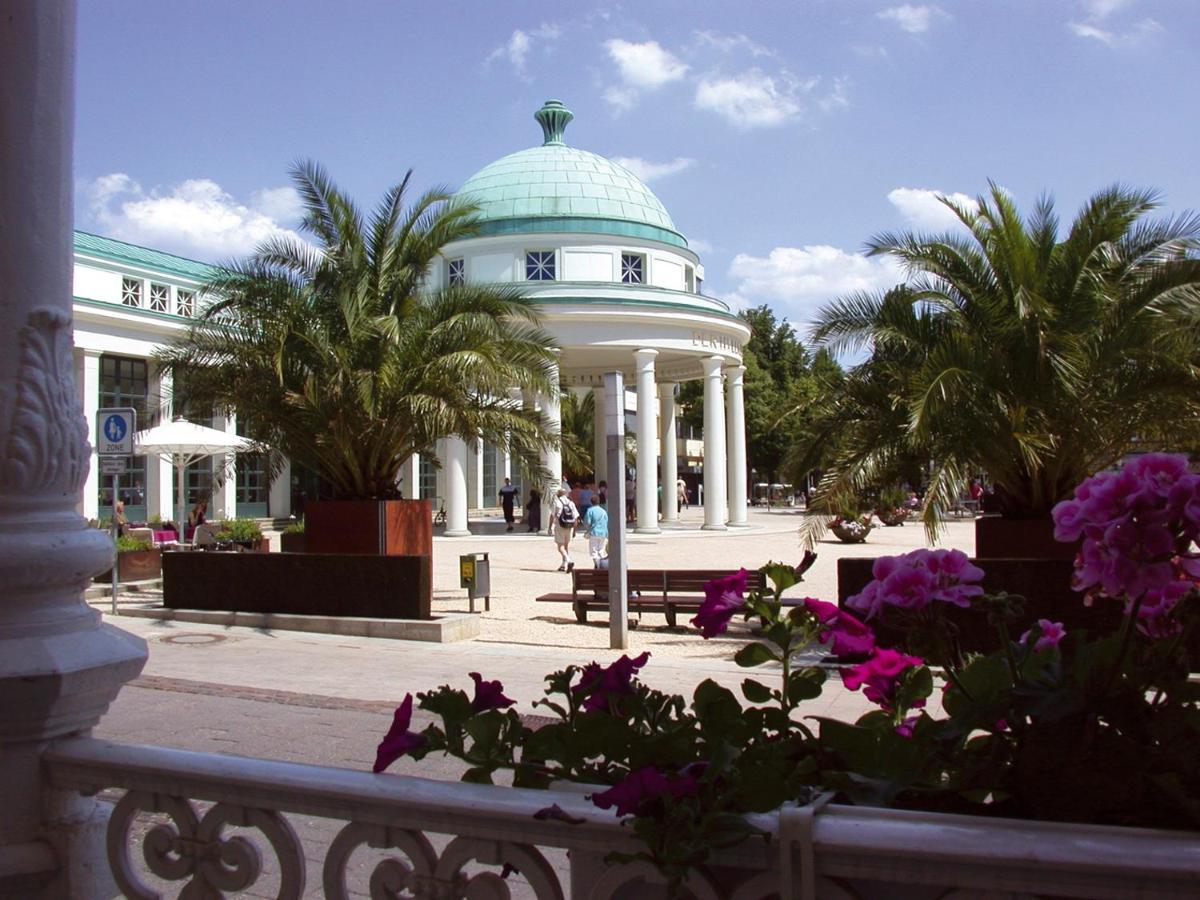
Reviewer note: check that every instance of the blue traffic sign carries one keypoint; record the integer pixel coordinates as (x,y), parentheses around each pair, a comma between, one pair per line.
(115,428)
(114,431)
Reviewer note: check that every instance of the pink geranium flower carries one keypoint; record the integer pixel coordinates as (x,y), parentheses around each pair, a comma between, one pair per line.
(914,580)
(1050,634)
(723,597)
(845,634)
(880,676)
(399,740)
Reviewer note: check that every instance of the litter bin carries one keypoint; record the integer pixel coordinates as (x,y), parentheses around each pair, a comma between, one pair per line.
(475,574)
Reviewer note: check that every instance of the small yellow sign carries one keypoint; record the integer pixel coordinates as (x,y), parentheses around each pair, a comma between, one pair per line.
(466,570)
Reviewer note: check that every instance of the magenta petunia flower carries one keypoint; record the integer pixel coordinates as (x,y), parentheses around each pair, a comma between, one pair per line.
(489,695)
(845,634)
(600,686)
(641,787)
(1051,634)
(399,740)
(914,580)
(723,597)
(880,676)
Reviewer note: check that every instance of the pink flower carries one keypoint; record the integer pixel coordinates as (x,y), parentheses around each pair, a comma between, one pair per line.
(846,634)
(1050,634)
(905,728)
(723,597)
(916,579)
(488,695)
(642,787)
(880,676)
(601,687)
(399,740)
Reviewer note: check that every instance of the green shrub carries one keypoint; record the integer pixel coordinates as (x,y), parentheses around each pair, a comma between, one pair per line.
(239,530)
(127,544)
(296,527)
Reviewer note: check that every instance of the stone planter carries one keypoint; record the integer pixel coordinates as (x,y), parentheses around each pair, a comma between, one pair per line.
(135,565)
(892,517)
(850,535)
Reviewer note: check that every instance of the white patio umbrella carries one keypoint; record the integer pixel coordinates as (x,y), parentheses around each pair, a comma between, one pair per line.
(183,443)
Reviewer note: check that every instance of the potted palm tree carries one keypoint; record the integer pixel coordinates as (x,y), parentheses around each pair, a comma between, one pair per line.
(1015,349)
(345,361)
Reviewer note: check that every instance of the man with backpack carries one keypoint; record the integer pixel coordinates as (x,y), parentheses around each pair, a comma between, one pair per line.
(564,518)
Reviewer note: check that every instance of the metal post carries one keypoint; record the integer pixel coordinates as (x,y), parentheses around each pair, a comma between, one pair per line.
(115,535)
(618,581)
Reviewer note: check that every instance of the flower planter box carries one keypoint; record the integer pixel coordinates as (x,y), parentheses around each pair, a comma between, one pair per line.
(135,565)
(997,537)
(848,535)
(293,542)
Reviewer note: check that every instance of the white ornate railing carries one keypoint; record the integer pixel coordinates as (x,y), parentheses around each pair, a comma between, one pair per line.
(830,852)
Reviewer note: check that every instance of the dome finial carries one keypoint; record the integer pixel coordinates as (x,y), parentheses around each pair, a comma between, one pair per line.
(553,117)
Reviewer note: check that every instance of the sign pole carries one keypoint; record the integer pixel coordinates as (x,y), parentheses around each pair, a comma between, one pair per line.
(618,578)
(115,534)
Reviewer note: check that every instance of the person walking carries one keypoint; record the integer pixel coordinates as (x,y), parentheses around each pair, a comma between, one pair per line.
(533,510)
(595,520)
(508,496)
(564,520)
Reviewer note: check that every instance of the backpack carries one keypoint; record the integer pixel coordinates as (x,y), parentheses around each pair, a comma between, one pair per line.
(566,515)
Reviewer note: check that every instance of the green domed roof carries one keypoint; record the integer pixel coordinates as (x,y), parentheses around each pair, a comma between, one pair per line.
(559,188)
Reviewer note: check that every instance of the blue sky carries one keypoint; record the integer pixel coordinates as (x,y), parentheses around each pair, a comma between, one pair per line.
(780,136)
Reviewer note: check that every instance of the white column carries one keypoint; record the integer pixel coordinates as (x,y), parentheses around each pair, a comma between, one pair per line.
(552,458)
(476,500)
(88,373)
(410,477)
(736,444)
(647,444)
(667,451)
(60,668)
(456,487)
(505,462)
(225,472)
(160,473)
(715,472)
(599,446)
(279,500)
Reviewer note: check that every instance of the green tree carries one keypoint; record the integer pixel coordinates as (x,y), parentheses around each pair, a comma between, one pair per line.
(1035,357)
(344,360)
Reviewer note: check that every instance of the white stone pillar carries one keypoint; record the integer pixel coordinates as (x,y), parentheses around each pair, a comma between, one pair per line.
(225,473)
(669,473)
(736,443)
(60,668)
(410,476)
(160,472)
(279,499)
(647,444)
(476,499)
(456,487)
(88,373)
(715,472)
(552,458)
(599,446)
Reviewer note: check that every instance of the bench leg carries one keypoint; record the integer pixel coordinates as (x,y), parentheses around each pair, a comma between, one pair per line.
(580,611)
(670,611)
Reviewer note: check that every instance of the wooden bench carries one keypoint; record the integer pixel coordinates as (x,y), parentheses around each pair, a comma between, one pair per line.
(657,590)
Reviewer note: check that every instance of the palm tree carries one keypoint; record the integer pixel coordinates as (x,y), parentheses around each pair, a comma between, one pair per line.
(1034,357)
(578,427)
(341,359)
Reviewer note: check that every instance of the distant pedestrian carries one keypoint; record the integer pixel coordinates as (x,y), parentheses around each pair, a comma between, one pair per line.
(680,495)
(603,492)
(595,520)
(533,510)
(564,520)
(508,496)
(630,501)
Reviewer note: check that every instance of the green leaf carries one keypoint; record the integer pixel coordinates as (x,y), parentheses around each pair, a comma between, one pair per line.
(754,655)
(806,683)
(755,691)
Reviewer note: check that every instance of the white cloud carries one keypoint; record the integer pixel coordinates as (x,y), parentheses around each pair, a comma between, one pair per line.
(195,218)
(516,48)
(621,99)
(730,43)
(910,18)
(1102,9)
(798,281)
(923,209)
(649,171)
(699,245)
(838,96)
(645,66)
(1135,34)
(752,99)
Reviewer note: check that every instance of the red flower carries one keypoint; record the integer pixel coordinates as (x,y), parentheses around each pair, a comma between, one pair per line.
(488,695)
(723,597)
(847,635)
(880,676)
(641,787)
(399,740)
(600,687)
